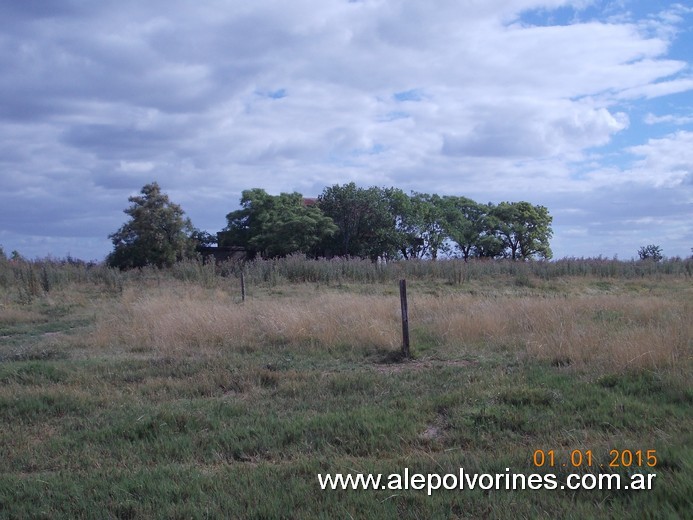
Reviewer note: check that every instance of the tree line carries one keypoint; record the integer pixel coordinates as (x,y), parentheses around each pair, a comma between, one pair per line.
(344,220)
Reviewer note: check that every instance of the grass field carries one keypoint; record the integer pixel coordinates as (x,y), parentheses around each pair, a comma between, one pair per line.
(162,395)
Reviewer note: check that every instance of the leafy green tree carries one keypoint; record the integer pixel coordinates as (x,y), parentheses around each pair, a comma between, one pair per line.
(158,233)
(366,224)
(396,237)
(490,243)
(423,226)
(466,224)
(203,238)
(273,226)
(523,229)
(406,234)
(651,252)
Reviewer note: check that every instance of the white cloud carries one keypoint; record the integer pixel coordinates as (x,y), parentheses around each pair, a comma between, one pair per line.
(665,162)
(652,119)
(653,90)
(528,128)
(136,166)
(213,98)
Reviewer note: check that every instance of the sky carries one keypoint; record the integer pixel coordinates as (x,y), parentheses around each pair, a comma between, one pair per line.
(583,106)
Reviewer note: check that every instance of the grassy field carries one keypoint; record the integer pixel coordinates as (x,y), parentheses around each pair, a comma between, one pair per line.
(161,395)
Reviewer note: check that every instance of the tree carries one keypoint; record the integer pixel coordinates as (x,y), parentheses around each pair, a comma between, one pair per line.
(423,226)
(366,224)
(523,229)
(490,243)
(398,238)
(202,238)
(651,252)
(273,226)
(466,224)
(158,233)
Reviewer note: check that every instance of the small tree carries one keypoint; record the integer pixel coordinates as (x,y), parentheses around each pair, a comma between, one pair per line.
(276,225)
(422,226)
(651,252)
(158,233)
(465,222)
(366,226)
(203,238)
(524,229)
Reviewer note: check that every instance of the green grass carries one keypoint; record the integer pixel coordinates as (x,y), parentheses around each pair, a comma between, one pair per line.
(227,432)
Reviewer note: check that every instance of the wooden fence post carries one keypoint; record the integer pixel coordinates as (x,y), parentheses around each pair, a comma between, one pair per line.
(242,287)
(406,353)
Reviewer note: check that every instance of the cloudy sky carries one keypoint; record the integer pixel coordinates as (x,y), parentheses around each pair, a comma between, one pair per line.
(584,106)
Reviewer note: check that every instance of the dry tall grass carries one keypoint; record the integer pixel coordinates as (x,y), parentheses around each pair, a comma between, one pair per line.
(14,316)
(202,321)
(611,331)
(617,332)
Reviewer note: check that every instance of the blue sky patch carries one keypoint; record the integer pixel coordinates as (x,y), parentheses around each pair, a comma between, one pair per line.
(409,95)
(277,94)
